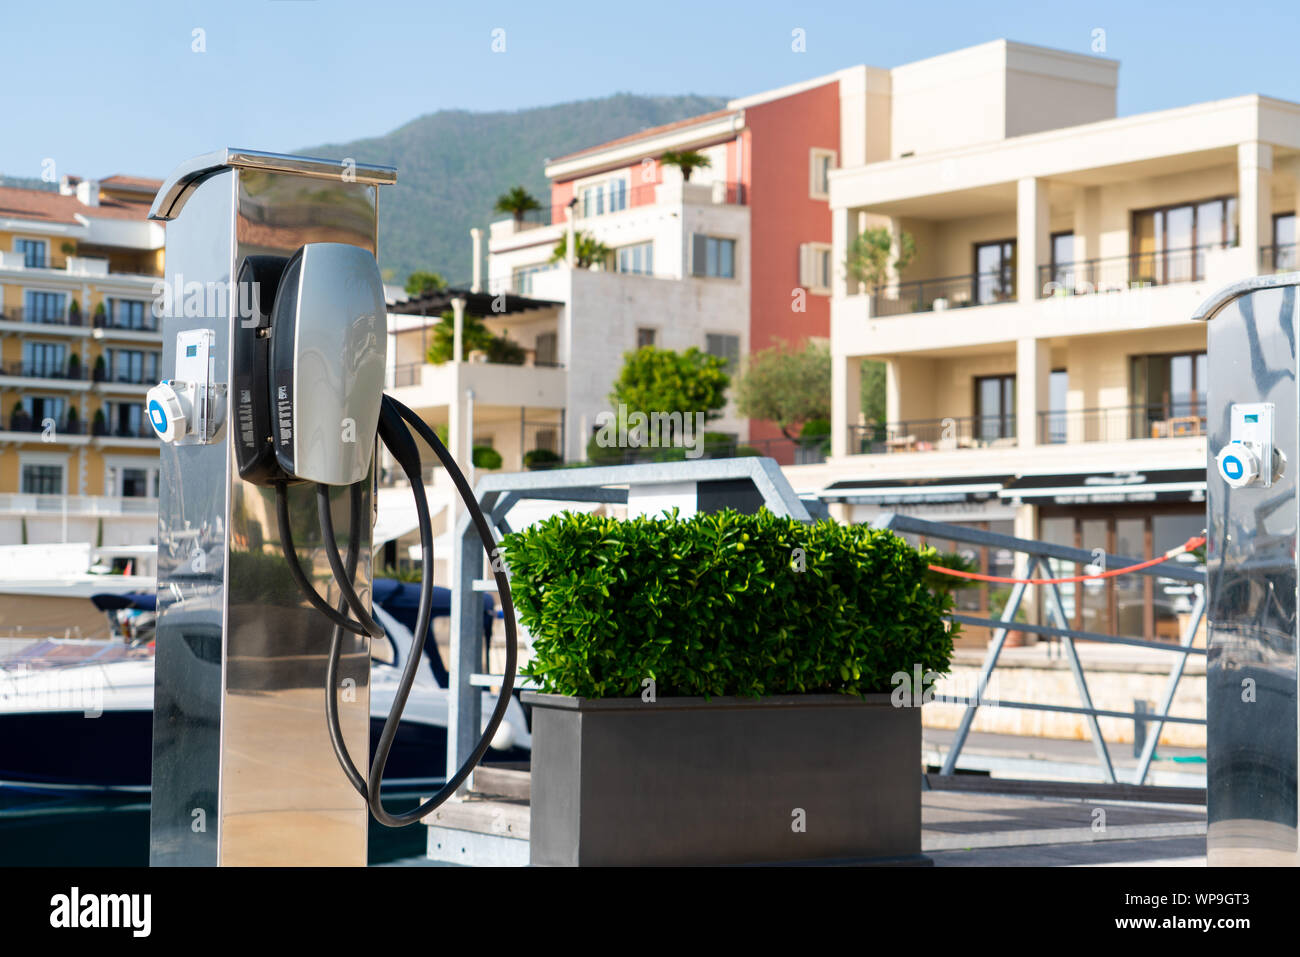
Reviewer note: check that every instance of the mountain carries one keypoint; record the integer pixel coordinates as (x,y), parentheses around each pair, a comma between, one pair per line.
(453,164)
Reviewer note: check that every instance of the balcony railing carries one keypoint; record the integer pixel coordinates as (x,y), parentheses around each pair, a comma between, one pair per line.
(408,373)
(643,194)
(118,431)
(1122,423)
(949,292)
(45,370)
(43,317)
(1280,257)
(1117,273)
(148,324)
(76,504)
(934,435)
(24,422)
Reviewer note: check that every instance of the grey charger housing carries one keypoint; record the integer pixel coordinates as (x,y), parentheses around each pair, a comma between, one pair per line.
(329,345)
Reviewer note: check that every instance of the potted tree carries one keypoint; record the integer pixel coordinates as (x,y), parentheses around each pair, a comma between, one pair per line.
(99,424)
(726,689)
(869,257)
(101,369)
(74,313)
(71,424)
(688,161)
(74,366)
(588,252)
(100,315)
(537,459)
(518,202)
(19,420)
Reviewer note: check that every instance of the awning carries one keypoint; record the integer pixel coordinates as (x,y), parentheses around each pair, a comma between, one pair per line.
(983,488)
(1102,488)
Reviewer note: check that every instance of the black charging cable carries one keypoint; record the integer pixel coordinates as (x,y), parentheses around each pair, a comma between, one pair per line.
(396,436)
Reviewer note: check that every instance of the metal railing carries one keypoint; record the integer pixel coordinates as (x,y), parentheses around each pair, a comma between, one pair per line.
(1122,423)
(45,370)
(149,323)
(948,292)
(1279,257)
(934,435)
(62,426)
(43,317)
(77,504)
(1117,273)
(1033,559)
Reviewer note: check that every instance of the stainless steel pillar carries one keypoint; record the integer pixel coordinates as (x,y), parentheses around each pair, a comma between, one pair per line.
(1251,576)
(243,772)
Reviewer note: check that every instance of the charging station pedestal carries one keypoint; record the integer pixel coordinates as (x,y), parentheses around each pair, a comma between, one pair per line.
(243,770)
(1251,526)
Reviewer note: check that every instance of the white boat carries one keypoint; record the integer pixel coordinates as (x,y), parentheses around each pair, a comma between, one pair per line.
(78,713)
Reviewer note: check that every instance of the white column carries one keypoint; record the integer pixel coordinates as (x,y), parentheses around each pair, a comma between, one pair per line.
(1255,198)
(846,400)
(1032,236)
(571,241)
(1033,378)
(476,240)
(458,329)
(842,223)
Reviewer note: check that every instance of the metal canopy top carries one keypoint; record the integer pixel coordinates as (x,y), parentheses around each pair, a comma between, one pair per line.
(178,185)
(1211,307)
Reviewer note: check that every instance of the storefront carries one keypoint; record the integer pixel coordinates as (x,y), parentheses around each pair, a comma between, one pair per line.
(1119,516)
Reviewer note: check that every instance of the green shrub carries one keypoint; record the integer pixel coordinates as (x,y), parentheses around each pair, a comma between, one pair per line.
(486,457)
(540,459)
(717,605)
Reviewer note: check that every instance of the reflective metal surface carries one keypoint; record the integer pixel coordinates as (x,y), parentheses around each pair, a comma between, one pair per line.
(1251,566)
(243,771)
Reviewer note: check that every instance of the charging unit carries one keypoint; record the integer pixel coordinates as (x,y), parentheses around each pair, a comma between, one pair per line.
(275,337)
(1251,528)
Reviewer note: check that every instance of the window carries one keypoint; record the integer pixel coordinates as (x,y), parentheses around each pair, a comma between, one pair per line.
(45,359)
(44,306)
(821,164)
(133,365)
(995,407)
(42,407)
(724,347)
(42,479)
(815,267)
(713,256)
(1283,251)
(1168,394)
(1058,387)
(1062,272)
(130,478)
(645,337)
(1169,243)
(995,271)
(546,349)
(128,314)
(608,196)
(126,420)
(33,252)
(639,259)
(521,279)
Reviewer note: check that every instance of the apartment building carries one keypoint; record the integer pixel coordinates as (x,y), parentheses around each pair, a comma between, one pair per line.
(79,347)
(1043,375)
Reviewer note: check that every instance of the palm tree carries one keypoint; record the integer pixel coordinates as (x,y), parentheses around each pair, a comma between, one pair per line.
(517,202)
(587,250)
(688,161)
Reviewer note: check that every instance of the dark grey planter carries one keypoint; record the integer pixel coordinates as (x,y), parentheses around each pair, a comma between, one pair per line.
(689,781)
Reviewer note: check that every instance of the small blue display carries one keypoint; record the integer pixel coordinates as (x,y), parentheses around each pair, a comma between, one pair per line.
(191,352)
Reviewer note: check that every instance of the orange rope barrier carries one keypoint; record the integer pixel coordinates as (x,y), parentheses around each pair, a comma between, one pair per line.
(1187,546)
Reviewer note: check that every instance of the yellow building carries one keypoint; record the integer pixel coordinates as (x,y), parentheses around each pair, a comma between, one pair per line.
(79,347)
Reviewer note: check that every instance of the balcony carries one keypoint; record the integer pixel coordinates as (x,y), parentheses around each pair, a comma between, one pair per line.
(1119,273)
(1122,423)
(949,292)
(72,320)
(76,267)
(75,376)
(934,435)
(25,503)
(46,429)
(1280,257)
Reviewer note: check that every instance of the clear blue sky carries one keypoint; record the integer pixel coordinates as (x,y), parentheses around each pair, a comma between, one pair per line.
(114,87)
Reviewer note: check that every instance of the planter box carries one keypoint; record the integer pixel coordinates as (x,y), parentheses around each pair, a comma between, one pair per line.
(689,781)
